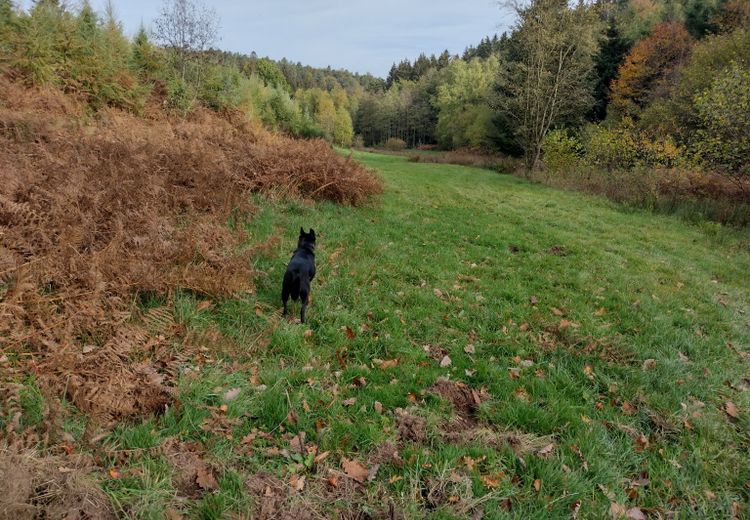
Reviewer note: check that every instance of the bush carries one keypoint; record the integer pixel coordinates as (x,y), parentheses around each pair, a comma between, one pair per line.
(723,142)
(610,148)
(394,144)
(562,152)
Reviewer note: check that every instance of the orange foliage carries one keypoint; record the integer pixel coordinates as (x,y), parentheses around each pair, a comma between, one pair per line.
(648,68)
(92,214)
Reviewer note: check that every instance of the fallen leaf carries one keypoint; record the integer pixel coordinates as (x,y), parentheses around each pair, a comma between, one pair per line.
(628,409)
(492,481)
(469,349)
(394,479)
(731,409)
(320,457)
(224,408)
(359,382)
(546,451)
(291,417)
(348,331)
(710,494)
(617,511)
(454,499)
(557,312)
(297,482)
(533,300)
(446,362)
(114,473)
(205,304)
(514,373)
(232,394)
(298,442)
(355,470)
(523,327)
(378,406)
(641,442)
(635,514)
(437,292)
(205,479)
(391,363)
(588,370)
(538,485)
(683,358)
(308,333)
(306,406)
(601,312)
(333,481)
(564,324)
(349,402)
(649,364)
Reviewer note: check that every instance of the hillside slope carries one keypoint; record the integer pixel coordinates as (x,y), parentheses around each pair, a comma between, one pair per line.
(476,343)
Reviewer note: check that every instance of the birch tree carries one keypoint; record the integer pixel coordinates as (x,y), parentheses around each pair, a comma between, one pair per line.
(548,78)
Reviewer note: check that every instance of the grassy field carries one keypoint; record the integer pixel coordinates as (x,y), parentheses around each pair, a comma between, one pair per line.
(476,345)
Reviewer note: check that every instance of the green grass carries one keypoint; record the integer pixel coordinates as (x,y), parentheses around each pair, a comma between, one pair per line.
(631,287)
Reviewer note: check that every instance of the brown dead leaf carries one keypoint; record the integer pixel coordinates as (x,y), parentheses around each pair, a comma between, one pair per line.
(469,349)
(617,511)
(291,417)
(354,470)
(333,481)
(114,473)
(538,485)
(205,478)
(564,324)
(600,312)
(546,451)
(628,409)
(320,457)
(308,333)
(437,292)
(492,481)
(348,331)
(635,514)
(731,410)
(446,362)
(391,363)
(514,373)
(641,442)
(649,364)
(232,394)
(349,402)
(297,482)
(205,304)
(557,312)
(378,406)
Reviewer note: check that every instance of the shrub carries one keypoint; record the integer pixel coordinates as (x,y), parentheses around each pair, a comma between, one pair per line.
(610,148)
(723,142)
(561,151)
(394,144)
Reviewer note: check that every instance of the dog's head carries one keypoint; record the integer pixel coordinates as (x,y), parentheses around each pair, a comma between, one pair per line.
(306,240)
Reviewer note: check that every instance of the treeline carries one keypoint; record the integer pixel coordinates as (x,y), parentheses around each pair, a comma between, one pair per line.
(86,53)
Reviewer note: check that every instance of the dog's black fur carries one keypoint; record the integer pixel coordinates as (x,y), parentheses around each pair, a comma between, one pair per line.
(300,272)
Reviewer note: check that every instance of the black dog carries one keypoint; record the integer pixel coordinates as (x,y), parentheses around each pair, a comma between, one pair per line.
(300,272)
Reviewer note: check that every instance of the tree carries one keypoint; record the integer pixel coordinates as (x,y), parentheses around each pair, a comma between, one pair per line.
(187,28)
(343,132)
(724,112)
(465,116)
(550,80)
(648,68)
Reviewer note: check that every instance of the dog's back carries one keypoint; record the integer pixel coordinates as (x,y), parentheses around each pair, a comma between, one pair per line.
(300,272)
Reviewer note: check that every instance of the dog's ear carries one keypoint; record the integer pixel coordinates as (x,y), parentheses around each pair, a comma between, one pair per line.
(312,233)
(301,232)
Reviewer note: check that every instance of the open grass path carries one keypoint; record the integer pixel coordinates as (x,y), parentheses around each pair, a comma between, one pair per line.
(606,350)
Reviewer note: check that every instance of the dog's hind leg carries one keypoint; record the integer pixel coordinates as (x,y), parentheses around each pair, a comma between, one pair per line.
(304,295)
(285,291)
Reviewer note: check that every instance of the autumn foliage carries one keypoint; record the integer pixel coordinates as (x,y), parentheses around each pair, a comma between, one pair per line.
(96,213)
(648,68)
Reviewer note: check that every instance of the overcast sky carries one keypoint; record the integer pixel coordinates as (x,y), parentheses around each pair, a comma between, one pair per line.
(359,35)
